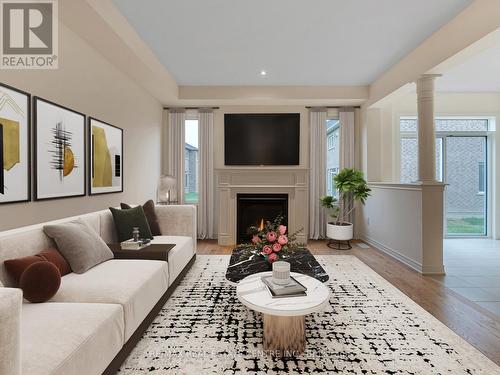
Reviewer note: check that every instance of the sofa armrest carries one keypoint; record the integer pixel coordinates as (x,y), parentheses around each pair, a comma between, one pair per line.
(11,301)
(178,220)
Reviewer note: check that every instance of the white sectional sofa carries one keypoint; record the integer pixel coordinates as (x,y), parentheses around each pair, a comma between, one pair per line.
(96,318)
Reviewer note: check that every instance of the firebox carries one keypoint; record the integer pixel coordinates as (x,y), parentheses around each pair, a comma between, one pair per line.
(256,209)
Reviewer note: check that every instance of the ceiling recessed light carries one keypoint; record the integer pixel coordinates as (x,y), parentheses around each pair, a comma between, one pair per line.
(263,72)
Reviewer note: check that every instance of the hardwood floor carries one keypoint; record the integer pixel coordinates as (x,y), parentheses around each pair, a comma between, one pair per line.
(476,325)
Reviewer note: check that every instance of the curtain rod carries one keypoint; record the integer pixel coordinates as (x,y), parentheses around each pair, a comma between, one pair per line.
(191,108)
(334,106)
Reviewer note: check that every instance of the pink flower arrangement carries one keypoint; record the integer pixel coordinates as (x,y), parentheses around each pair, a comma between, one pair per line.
(267,249)
(272,257)
(272,241)
(271,236)
(256,239)
(282,240)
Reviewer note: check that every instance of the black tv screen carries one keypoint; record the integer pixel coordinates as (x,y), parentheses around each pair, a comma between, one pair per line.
(261,138)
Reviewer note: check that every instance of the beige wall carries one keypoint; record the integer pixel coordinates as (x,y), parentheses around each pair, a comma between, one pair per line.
(405,221)
(88,83)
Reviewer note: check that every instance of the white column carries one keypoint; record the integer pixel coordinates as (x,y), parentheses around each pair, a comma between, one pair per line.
(426,128)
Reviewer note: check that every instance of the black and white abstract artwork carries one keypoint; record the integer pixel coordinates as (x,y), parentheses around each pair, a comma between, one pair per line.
(59,151)
(369,327)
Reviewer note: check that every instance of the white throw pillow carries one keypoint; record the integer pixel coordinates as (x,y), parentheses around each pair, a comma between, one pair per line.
(79,244)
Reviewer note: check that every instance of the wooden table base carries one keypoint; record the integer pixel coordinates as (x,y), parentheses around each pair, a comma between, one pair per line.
(284,336)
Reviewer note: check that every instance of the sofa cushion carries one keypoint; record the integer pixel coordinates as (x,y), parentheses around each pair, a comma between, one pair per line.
(16,267)
(126,220)
(65,338)
(40,281)
(136,285)
(31,240)
(20,244)
(10,331)
(108,230)
(149,211)
(79,244)
(179,256)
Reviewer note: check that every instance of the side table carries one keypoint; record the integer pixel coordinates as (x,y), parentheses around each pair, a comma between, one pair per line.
(284,318)
(151,252)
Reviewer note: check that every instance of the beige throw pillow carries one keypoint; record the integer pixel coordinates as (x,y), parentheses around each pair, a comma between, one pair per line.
(79,244)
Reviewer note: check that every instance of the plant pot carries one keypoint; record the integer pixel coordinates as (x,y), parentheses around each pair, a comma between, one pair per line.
(342,232)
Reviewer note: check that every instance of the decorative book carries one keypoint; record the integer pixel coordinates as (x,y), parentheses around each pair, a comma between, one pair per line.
(292,289)
(135,245)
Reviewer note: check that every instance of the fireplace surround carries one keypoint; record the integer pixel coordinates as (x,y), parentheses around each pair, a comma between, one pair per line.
(255,209)
(232,181)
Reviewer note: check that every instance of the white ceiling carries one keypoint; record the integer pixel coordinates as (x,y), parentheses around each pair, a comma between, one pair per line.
(298,42)
(480,73)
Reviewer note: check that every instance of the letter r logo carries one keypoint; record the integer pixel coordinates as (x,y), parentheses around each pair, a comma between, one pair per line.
(27,28)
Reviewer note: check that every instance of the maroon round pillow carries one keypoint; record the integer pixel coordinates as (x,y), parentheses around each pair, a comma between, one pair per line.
(40,281)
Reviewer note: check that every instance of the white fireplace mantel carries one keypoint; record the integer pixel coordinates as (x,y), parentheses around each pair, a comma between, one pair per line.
(233,180)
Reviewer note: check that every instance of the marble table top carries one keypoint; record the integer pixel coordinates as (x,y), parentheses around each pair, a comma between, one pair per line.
(254,294)
(302,261)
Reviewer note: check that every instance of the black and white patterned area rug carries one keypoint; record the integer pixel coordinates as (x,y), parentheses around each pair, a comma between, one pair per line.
(370,327)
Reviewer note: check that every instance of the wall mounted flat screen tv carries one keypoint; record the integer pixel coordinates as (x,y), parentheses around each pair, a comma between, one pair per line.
(261,138)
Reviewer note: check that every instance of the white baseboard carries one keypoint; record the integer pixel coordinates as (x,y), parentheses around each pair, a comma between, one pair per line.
(433,270)
(393,253)
(423,269)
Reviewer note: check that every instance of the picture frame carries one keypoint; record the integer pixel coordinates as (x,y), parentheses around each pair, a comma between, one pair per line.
(60,151)
(105,157)
(15,145)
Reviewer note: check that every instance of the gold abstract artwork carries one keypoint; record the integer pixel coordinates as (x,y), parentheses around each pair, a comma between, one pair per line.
(102,170)
(69,161)
(11,147)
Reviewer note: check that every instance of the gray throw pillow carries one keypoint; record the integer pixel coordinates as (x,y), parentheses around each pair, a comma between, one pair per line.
(79,244)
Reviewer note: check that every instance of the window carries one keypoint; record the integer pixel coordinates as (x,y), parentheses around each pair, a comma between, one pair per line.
(409,159)
(330,141)
(191,162)
(332,154)
(461,163)
(482,178)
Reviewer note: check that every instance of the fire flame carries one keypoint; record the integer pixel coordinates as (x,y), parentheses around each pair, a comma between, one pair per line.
(261,226)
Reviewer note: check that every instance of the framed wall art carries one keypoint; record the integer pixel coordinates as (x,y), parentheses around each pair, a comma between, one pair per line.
(105,158)
(15,146)
(59,151)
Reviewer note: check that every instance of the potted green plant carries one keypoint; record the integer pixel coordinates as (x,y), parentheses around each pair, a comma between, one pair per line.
(352,188)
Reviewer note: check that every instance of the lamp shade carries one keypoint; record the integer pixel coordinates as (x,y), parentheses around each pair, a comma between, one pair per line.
(167,189)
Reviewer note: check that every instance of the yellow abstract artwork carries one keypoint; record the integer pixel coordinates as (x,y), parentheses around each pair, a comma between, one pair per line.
(11,148)
(69,161)
(102,170)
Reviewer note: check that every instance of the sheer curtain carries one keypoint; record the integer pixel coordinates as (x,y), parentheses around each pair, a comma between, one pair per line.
(317,177)
(346,119)
(174,155)
(206,174)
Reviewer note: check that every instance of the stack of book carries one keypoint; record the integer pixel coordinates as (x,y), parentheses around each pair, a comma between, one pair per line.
(135,245)
(292,289)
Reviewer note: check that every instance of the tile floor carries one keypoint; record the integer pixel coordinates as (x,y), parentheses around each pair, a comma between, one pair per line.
(473,270)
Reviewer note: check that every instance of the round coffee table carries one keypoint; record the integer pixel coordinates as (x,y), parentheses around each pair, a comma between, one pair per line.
(284,318)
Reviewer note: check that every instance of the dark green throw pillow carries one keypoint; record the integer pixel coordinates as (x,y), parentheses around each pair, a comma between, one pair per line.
(126,220)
